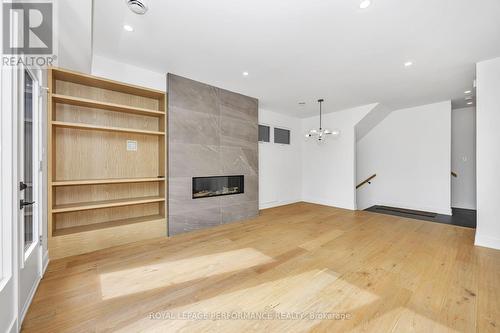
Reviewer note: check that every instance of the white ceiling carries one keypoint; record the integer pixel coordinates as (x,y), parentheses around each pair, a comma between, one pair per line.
(300,50)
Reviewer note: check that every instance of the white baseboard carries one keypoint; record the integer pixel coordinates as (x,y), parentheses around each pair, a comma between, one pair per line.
(327,203)
(31,295)
(45,262)
(273,204)
(485,241)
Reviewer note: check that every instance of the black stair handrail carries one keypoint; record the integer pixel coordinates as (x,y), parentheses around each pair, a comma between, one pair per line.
(367,181)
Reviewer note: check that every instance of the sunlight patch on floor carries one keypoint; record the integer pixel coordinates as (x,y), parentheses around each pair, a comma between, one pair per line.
(309,292)
(164,274)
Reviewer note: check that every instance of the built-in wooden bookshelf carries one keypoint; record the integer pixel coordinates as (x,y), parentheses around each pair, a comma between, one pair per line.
(107,165)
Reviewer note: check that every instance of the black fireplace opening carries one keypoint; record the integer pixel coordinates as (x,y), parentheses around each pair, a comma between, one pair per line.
(204,187)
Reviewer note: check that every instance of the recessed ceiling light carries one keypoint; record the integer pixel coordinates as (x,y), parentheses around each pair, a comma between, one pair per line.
(468,98)
(470,103)
(128,28)
(137,6)
(408,64)
(365,4)
(467,92)
(245,73)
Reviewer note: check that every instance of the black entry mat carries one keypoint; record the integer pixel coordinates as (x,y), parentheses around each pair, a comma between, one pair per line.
(461,217)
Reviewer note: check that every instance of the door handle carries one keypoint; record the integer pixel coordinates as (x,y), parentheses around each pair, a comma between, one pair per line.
(23,204)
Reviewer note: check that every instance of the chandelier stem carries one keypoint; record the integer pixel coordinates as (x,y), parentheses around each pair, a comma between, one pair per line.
(320,114)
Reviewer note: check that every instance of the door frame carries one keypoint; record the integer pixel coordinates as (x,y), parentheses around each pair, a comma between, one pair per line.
(35,249)
(9,279)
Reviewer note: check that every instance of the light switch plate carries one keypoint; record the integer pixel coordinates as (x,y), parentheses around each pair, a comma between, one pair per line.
(131,145)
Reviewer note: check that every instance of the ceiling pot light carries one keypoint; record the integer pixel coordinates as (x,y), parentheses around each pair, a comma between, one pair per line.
(365,4)
(137,6)
(467,92)
(245,73)
(468,98)
(321,134)
(470,103)
(128,28)
(408,64)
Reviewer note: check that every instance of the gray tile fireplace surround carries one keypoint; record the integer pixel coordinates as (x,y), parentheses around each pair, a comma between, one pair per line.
(211,132)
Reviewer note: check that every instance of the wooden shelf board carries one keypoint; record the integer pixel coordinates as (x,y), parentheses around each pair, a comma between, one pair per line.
(98,82)
(106,225)
(104,128)
(105,204)
(90,103)
(106,181)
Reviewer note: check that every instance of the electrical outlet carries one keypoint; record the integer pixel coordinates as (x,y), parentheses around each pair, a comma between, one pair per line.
(131,145)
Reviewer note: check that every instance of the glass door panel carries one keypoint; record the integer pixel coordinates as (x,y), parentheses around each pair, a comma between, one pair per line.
(27,184)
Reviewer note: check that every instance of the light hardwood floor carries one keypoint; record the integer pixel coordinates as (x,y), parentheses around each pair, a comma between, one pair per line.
(387,274)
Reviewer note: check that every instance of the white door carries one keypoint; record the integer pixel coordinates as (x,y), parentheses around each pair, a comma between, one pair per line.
(29,176)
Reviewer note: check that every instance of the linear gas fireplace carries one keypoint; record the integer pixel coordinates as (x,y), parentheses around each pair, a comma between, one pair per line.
(204,187)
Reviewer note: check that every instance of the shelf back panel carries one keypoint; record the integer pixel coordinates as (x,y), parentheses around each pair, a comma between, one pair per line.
(91,116)
(83,154)
(80,194)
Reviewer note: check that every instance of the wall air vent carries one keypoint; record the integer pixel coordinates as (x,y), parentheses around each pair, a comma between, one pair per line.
(137,6)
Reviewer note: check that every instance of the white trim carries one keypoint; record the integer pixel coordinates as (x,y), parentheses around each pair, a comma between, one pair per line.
(9,229)
(45,263)
(273,204)
(6,173)
(3,252)
(324,202)
(486,241)
(14,186)
(31,294)
(13,326)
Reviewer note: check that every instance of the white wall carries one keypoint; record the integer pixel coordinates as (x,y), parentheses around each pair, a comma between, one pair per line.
(329,169)
(488,153)
(119,71)
(463,158)
(410,151)
(372,119)
(280,165)
(74,34)
(8,229)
